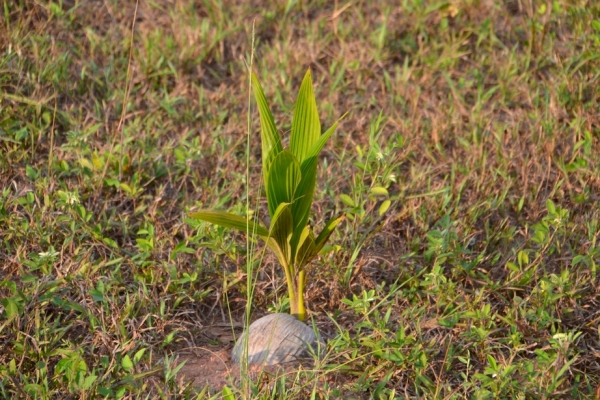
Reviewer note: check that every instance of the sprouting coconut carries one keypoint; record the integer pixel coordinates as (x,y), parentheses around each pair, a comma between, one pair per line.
(278,339)
(289,179)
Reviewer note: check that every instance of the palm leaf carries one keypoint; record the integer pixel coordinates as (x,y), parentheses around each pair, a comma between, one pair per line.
(316,148)
(282,181)
(281,232)
(326,232)
(232,221)
(306,246)
(303,200)
(271,142)
(306,188)
(306,127)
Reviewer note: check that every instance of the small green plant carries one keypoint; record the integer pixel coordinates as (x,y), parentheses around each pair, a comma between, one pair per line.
(289,178)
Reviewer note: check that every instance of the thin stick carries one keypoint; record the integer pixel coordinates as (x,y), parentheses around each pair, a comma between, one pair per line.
(244,358)
(121,125)
(51,153)
(122,119)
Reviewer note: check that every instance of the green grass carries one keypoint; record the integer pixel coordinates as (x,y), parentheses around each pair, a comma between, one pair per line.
(477,120)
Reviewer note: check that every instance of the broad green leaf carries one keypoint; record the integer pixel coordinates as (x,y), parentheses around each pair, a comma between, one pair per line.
(33,389)
(384,207)
(271,142)
(347,200)
(283,179)
(315,150)
(10,307)
(235,222)
(306,247)
(231,221)
(281,232)
(227,393)
(326,232)
(550,206)
(138,355)
(305,191)
(379,191)
(89,381)
(303,199)
(306,128)
(126,363)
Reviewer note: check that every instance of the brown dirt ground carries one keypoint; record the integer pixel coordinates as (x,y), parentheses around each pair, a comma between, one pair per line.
(212,366)
(209,363)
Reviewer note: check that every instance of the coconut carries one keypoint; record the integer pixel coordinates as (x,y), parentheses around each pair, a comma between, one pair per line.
(278,339)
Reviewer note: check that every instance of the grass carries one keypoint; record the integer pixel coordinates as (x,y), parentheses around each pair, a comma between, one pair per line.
(476,123)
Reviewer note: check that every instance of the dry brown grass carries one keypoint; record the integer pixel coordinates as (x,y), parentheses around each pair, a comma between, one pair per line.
(486,119)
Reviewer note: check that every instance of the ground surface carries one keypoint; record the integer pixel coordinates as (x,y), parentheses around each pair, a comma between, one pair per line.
(467,167)
(214,369)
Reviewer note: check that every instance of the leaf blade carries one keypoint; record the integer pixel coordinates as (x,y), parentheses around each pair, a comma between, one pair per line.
(347,200)
(326,232)
(303,200)
(306,127)
(280,237)
(306,246)
(315,150)
(379,191)
(270,139)
(231,221)
(281,233)
(283,179)
(306,188)
(384,206)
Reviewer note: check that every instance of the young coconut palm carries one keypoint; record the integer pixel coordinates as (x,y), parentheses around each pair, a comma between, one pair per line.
(289,179)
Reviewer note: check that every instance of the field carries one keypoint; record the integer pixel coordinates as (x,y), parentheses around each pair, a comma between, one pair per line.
(467,166)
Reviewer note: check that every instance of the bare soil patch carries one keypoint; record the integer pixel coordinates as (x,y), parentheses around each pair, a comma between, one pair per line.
(213,366)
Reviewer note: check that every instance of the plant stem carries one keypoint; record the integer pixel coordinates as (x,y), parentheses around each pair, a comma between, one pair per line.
(291,292)
(301,310)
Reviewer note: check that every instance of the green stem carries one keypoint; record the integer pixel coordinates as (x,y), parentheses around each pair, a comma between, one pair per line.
(301,310)
(291,292)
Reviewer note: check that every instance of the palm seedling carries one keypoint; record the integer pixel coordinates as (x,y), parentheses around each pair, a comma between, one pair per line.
(289,180)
